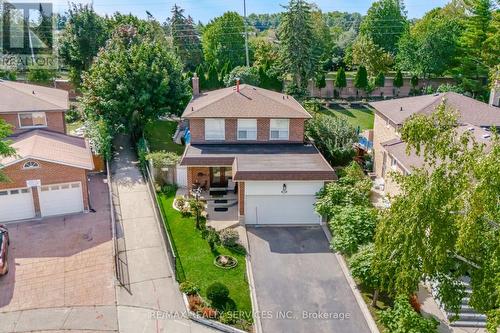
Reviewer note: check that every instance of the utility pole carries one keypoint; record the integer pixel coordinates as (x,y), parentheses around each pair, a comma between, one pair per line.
(246,32)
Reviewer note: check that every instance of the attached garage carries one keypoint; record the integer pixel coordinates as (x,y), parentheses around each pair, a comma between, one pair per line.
(283,202)
(61,199)
(16,204)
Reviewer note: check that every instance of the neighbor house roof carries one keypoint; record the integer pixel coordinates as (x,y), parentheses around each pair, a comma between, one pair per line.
(20,97)
(397,148)
(470,110)
(249,102)
(51,147)
(262,161)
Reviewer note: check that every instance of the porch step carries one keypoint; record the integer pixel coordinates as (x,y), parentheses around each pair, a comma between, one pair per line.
(225,202)
(462,323)
(221,209)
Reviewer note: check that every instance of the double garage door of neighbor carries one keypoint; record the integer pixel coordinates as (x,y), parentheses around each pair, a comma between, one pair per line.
(17,204)
(269,203)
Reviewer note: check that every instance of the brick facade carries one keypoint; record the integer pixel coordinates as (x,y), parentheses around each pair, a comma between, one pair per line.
(241,198)
(197,129)
(200,175)
(55,121)
(48,173)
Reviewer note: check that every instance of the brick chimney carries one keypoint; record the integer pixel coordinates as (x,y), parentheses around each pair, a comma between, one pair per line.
(238,85)
(196,85)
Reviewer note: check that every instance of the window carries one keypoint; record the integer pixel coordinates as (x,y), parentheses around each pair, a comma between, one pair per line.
(279,129)
(32,119)
(214,129)
(14,191)
(31,165)
(247,129)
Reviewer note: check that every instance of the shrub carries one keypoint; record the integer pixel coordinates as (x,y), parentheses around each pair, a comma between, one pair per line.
(163,159)
(228,318)
(403,319)
(211,236)
(180,202)
(189,288)
(229,237)
(169,189)
(217,293)
(72,115)
(196,206)
(237,248)
(209,313)
(352,226)
(195,303)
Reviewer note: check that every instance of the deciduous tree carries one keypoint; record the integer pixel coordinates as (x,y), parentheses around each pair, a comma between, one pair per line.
(366,53)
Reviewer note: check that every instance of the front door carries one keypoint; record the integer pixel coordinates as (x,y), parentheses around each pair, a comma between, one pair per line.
(218,176)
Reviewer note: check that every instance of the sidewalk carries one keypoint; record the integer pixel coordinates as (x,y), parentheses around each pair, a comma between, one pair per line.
(152,284)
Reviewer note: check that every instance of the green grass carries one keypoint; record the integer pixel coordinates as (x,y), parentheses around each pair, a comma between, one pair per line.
(159,135)
(357,116)
(196,259)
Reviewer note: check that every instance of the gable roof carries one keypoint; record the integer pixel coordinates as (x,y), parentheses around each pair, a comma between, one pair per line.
(21,97)
(249,102)
(470,111)
(51,147)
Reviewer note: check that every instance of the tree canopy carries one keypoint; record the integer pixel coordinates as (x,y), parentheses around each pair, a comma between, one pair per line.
(368,54)
(444,224)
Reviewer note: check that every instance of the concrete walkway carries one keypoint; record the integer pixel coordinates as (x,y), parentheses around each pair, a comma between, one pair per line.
(152,285)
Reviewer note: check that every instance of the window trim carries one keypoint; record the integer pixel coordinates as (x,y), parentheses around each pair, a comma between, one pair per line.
(223,136)
(279,130)
(31,167)
(247,129)
(31,113)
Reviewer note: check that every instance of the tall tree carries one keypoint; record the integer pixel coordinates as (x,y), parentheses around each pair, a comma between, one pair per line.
(223,41)
(385,22)
(5,149)
(135,79)
(296,36)
(340,80)
(472,68)
(185,38)
(368,54)
(398,81)
(430,46)
(361,79)
(84,34)
(444,224)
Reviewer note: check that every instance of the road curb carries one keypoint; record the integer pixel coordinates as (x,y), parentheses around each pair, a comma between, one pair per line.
(357,295)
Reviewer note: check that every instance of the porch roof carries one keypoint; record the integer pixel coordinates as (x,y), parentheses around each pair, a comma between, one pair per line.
(262,161)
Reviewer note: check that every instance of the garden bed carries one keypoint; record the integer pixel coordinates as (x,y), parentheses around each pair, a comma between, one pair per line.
(196,260)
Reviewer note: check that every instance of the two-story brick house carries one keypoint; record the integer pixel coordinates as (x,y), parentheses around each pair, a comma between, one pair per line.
(48,174)
(390,151)
(253,139)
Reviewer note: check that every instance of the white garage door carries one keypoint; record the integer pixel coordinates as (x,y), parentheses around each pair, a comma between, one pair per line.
(281,202)
(61,199)
(16,204)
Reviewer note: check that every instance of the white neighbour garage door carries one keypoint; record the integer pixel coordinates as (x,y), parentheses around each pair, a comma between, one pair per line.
(16,204)
(266,204)
(61,199)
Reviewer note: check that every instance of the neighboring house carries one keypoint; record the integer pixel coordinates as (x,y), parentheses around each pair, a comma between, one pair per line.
(252,140)
(390,151)
(48,175)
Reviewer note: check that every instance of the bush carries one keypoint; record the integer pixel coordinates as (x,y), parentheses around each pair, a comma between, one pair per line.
(8,75)
(41,75)
(217,293)
(163,159)
(361,266)
(195,303)
(196,206)
(228,318)
(209,313)
(403,319)
(351,227)
(189,288)
(180,202)
(72,115)
(237,248)
(142,152)
(229,237)
(169,189)
(211,236)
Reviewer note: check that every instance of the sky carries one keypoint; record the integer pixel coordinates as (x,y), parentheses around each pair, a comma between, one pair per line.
(204,10)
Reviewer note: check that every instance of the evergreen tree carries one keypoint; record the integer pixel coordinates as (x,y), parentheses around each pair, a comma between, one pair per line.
(320,80)
(296,36)
(472,70)
(379,80)
(185,38)
(361,79)
(340,80)
(398,81)
(414,81)
(213,78)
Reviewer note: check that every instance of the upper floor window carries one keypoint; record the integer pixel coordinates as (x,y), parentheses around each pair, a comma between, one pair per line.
(247,129)
(279,129)
(31,165)
(214,129)
(32,119)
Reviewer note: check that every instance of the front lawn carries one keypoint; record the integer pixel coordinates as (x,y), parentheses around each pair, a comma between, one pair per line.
(196,260)
(361,116)
(159,135)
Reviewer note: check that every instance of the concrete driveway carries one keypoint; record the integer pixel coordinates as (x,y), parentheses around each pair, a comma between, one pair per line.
(299,283)
(61,272)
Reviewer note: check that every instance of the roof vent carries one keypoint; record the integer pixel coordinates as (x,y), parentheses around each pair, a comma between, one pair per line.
(33,92)
(192,108)
(287,96)
(283,96)
(401,109)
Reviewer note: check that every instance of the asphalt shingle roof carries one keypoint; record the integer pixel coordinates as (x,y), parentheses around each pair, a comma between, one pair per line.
(20,97)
